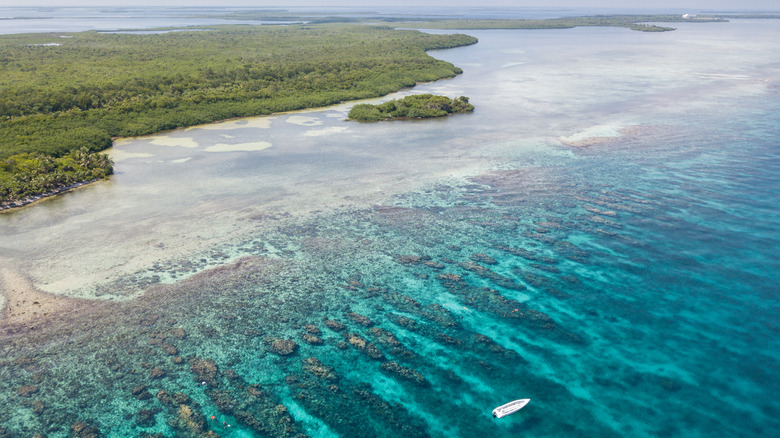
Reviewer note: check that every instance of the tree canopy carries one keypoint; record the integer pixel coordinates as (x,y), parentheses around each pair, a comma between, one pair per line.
(417,106)
(32,174)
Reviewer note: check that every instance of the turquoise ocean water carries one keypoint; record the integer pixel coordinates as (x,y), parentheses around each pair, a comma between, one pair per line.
(403,280)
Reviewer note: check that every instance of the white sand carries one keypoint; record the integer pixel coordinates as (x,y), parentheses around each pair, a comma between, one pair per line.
(260,122)
(304,121)
(239,147)
(182,142)
(325,131)
(120,155)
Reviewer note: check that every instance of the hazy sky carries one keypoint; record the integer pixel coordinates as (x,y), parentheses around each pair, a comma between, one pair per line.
(622,4)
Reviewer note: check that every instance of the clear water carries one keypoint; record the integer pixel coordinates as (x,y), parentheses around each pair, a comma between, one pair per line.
(628,287)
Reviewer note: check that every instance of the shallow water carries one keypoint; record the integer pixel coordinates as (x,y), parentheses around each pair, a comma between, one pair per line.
(628,287)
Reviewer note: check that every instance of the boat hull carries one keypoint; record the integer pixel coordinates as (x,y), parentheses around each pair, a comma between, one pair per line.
(510,408)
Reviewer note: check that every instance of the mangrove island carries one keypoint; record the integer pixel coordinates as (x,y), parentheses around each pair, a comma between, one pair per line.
(418,106)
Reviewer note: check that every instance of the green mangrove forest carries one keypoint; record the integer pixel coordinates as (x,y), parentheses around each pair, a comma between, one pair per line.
(418,106)
(75,92)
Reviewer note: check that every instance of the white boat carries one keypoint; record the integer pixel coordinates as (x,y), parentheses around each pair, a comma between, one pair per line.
(510,408)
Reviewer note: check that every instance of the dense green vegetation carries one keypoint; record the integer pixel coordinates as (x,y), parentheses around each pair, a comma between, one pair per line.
(27,175)
(418,106)
(96,86)
(66,92)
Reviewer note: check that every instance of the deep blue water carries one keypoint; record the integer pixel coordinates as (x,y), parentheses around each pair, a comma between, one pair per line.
(629,288)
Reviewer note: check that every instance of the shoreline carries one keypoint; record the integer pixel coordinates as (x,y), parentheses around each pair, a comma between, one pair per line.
(8,206)
(13,205)
(181,112)
(24,303)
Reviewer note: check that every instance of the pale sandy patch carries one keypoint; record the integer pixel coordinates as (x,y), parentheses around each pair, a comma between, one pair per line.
(593,135)
(182,142)
(181,160)
(251,122)
(22,301)
(600,134)
(304,121)
(325,131)
(240,147)
(122,141)
(120,155)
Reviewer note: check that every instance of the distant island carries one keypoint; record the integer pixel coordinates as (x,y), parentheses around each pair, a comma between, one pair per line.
(641,23)
(418,106)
